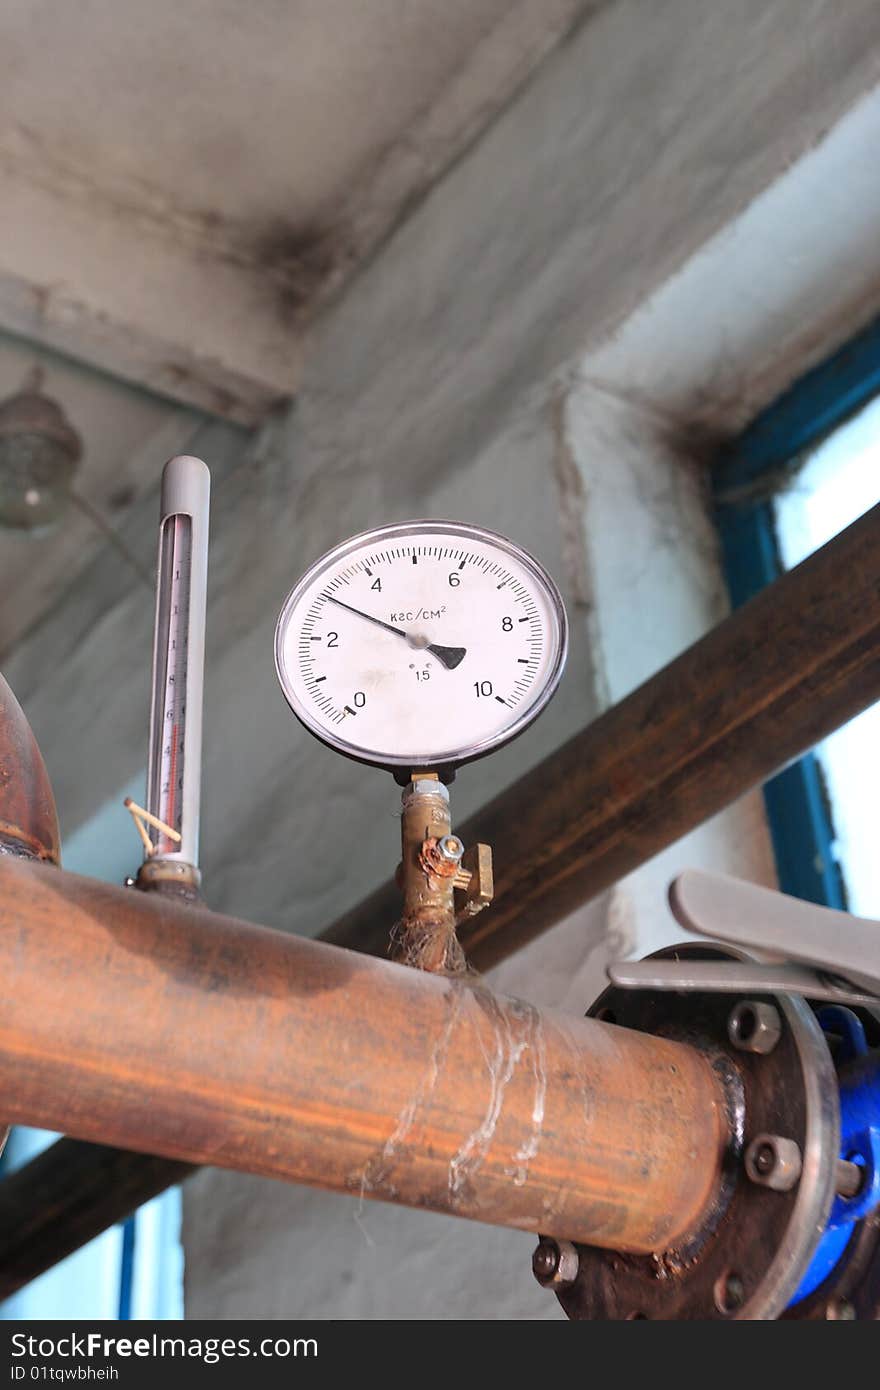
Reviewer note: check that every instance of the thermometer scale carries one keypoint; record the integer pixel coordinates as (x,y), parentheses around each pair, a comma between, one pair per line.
(175,746)
(165,800)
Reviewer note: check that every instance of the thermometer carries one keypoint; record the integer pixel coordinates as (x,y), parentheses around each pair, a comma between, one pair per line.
(175,751)
(421,645)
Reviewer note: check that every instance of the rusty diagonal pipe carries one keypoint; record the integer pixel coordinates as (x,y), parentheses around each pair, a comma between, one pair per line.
(270,1053)
(28,819)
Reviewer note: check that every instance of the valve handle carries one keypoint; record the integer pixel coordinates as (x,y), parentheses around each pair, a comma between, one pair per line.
(819,952)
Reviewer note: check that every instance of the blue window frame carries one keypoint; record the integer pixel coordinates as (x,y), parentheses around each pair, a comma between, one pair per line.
(747,476)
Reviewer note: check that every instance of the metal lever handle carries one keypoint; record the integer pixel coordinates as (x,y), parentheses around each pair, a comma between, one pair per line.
(736,977)
(743,914)
(821,953)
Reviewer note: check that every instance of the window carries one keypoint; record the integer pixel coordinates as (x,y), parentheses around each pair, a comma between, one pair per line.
(805,469)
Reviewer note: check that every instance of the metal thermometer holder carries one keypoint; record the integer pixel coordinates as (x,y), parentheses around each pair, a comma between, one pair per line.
(185,497)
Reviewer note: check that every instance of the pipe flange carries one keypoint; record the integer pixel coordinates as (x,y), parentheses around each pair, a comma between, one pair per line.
(852,1289)
(749,1255)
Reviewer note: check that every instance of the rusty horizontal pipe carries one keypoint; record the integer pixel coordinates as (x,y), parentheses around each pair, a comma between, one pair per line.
(786,669)
(144,1024)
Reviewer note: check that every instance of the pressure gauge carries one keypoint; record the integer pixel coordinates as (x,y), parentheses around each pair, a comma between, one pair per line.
(421,645)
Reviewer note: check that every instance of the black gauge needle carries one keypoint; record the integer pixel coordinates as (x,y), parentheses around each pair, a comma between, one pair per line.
(450,657)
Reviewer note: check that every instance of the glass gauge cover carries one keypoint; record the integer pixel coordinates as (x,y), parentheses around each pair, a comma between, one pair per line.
(421,645)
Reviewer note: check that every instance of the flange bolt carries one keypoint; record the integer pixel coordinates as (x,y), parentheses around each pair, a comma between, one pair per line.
(772,1161)
(849,1178)
(555,1263)
(754,1027)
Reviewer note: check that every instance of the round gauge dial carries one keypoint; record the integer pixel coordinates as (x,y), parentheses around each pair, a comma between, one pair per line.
(421,645)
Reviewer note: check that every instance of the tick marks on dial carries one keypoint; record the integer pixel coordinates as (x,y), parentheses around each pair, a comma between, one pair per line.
(409,609)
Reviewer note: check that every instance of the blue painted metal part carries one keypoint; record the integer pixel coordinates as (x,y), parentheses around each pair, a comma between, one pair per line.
(859,1079)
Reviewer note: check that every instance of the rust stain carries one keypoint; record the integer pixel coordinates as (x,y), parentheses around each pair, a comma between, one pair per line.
(433,863)
(299,260)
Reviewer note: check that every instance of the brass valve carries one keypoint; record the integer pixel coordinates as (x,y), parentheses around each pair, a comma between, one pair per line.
(434,868)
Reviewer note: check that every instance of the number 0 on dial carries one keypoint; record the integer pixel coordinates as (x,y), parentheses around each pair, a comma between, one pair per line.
(424,644)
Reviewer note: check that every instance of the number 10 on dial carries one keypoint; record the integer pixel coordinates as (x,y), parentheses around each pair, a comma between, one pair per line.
(421,645)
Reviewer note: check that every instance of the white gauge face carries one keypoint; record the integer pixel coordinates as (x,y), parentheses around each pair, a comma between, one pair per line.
(421,645)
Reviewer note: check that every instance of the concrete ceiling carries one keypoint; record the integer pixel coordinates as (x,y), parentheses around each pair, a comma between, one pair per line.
(231,114)
(184,184)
